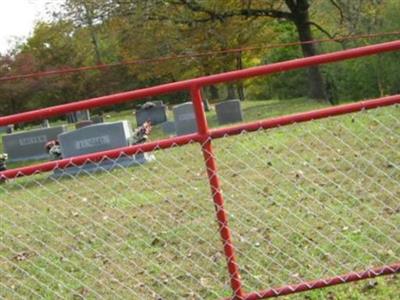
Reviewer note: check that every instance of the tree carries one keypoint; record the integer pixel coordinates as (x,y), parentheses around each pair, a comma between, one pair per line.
(87,13)
(295,11)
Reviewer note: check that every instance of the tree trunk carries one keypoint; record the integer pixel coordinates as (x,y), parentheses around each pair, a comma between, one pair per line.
(206,104)
(302,22)
(239,85)
(95,42)
(13,106)
(213,90)
(231,92)
(240,90)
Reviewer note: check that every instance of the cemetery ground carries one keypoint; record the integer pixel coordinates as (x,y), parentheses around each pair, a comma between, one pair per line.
(300,201)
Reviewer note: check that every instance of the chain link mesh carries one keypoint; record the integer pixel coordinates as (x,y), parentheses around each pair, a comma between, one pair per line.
(313,200)
(145,232)
(305,201)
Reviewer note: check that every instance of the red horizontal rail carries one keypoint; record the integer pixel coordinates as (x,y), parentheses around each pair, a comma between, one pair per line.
(99,156)
(199,82)
(321,283)
(306,116)
(215,133)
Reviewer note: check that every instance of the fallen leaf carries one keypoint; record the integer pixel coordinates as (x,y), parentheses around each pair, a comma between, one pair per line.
(157,242)
(22,256)
(370,285)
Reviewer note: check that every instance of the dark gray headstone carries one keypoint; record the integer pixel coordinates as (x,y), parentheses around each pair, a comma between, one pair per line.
(169,127)
(229,112)
(185,119)
(29,145)
(156,115)
(45,124)
(95,138)
(76,116)
(83,123)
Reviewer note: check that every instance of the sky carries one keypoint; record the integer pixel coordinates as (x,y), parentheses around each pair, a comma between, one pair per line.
(17,19)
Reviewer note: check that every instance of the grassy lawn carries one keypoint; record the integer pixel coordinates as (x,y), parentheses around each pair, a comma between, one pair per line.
(305,201)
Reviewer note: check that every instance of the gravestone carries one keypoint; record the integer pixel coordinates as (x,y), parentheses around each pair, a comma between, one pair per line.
(185,119)
(229,112)
(29,145)
(168,127)
(155,112)
(71,118)
(77,116)
(83,115)
(45,124)
(95,138)
(83,123)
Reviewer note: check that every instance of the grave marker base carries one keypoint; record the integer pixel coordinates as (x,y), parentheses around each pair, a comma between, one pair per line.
(105,165)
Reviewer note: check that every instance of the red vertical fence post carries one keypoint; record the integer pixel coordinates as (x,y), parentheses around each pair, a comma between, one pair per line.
(216,192)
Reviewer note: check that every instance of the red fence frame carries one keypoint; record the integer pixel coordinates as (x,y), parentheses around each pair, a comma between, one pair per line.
(204,136)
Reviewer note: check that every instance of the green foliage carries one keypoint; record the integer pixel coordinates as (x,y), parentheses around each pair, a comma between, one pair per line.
(286,84)
(88,32)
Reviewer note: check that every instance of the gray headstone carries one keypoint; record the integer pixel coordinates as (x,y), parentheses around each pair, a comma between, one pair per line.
(185,119)
(76,116)
(95,138)
(45,124)
(72,118)
(83,115)
(229,112)
(156,115)
(168,127)
(83,123)
(29,145)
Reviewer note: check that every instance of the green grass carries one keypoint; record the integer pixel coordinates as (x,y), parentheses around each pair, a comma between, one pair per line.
(306,201)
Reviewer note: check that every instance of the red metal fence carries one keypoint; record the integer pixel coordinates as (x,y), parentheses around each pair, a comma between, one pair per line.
(205,137)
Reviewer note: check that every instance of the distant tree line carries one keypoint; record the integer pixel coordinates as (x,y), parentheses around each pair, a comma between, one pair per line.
(90,32)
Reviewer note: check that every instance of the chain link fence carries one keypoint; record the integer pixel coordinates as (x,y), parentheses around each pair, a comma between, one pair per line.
(305,202)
